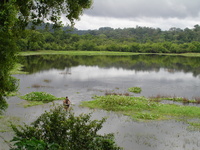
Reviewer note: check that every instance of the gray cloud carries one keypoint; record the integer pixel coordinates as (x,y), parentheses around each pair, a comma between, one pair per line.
(145,8)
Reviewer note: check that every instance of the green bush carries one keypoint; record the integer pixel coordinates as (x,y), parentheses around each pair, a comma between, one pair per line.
(64,131)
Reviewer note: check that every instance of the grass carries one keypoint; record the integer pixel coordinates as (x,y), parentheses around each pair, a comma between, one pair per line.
(135,89)
(194,126)
(141,108)
(184,100)
(49,52)
(39,98)
(44,52)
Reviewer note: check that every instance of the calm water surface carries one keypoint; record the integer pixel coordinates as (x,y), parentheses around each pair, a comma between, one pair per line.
(81,77)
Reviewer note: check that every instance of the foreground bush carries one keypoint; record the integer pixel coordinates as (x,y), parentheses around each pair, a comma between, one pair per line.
(63,130)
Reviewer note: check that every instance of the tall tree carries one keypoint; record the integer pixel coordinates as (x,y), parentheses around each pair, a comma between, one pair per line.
(15,15)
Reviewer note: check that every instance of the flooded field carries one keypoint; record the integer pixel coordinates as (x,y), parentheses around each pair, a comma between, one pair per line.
(81,77)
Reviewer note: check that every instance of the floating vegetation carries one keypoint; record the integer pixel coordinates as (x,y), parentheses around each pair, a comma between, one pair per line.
(38,98)
(194,126)
(47,80)
(31,103)
(114,93)
(141,108)
(40,86)
(135,89)
(184,100)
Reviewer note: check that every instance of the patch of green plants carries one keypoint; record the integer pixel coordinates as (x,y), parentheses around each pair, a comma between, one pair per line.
(31,103)
(176,99)
(194,126)
(39,98)
(90,53)
(147,116)
(58,129)
(141,108)
(135,89)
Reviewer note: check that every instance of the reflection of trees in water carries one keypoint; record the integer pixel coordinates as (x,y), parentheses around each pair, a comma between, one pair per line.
(138,62)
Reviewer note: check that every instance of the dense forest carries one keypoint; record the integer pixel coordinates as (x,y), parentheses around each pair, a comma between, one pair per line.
(138,39)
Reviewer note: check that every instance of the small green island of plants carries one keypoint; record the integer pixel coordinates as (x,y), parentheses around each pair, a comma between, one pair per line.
(142,108)
(39,98)
(135,89)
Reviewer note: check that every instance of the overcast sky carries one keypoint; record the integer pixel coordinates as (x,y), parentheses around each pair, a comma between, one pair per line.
(162,14)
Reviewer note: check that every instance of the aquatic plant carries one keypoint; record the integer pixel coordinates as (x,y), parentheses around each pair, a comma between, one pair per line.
(40,96)
(114,93)
(141,108)
(40,86)
(135,89)
(194,126)
(184,100)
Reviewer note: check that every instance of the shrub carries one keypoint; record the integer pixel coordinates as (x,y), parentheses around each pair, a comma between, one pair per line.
(64,131)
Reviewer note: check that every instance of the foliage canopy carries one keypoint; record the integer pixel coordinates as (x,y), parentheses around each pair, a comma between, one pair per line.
(15,16)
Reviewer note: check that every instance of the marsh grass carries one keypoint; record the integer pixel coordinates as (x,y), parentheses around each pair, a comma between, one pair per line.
(114,93)
(194,126)
(39,98)
(90,53)
(141,108)
(40,86)
(31,103)
(184,100)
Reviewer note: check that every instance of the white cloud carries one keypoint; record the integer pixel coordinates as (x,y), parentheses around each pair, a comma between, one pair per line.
(91,22)
(162,14)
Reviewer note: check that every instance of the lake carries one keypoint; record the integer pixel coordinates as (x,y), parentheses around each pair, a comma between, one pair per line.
(81,77)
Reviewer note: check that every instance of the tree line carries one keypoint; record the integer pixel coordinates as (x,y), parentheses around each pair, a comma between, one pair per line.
(138,39)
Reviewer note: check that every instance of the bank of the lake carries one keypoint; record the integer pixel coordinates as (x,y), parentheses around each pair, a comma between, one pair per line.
(94,53)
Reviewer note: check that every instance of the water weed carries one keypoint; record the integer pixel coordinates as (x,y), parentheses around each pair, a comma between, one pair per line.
(135,89)
(194,126)
(38,98)
(141,108)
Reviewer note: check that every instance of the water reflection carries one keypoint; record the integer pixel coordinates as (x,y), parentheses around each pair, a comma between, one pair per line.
(138,63)
(156,75)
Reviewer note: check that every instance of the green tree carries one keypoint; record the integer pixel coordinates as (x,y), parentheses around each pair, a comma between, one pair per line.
(15,16)
(64,131)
